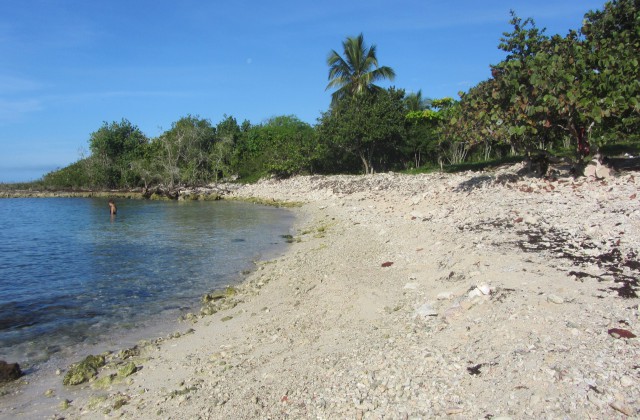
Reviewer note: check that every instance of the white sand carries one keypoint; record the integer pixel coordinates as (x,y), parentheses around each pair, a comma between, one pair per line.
(463,324)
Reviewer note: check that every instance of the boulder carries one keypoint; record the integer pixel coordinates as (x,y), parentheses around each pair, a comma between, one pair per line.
(9,371)
(83,371)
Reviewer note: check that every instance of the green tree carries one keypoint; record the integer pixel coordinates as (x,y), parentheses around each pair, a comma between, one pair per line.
(282,146)
(186,149)
(366,125)
(228,133)
(514,99)
(113,147)
(612,38)
(357,70)
(415,101)
(423,129)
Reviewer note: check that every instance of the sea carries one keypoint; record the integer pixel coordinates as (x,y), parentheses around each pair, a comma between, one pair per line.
(74,279)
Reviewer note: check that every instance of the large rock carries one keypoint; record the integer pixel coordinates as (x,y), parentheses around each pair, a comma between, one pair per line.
(9,371)
(83,371)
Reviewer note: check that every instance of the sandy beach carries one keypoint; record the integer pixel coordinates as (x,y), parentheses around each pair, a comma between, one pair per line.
(473,295)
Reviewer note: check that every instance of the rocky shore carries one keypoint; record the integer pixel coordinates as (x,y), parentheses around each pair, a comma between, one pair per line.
(475,295)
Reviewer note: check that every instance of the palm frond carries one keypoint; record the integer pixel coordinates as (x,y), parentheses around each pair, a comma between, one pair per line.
(356,70)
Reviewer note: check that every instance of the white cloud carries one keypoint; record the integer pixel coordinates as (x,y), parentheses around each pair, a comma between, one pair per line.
(12,111)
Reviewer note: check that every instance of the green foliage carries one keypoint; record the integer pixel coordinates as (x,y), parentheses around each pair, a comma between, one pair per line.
(415,101)
(74,176)
(423,131)
(282,146)
(612,38)
(112,147)
(368,125)
(356,71)
(578,89)
(185,151)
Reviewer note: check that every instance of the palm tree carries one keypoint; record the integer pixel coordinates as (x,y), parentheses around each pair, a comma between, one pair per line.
(415,101)
(356,72)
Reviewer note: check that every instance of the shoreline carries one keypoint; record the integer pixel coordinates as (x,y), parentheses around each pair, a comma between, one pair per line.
(415,296)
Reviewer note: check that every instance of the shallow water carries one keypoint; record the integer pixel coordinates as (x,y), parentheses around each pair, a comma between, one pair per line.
(72,276)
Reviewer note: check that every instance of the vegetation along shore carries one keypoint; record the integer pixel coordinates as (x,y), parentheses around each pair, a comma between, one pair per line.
(465,258)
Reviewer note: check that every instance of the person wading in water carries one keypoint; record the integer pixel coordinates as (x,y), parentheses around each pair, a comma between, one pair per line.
(112,208)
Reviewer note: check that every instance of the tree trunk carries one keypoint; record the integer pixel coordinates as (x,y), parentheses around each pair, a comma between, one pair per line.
(365,163)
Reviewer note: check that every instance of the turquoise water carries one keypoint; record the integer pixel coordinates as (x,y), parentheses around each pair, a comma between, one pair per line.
(71,275)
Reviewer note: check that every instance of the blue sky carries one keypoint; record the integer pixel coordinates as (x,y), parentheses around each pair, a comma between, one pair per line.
(68,66)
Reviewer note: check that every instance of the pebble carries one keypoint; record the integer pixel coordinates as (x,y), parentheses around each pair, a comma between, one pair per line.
(555,299)
(627,381)
(445,296)
(484,289)
(473,293)
(426,310)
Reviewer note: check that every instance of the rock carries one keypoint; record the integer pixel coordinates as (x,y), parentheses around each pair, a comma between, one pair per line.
(222,294)
(411,286)
(627,381)
(473,293)
(9,371)
(454,410)
(103,383)
(555,299)
(603,172)
(445,296)
(484,289)
(127,370)
(83,371)
(590,171)
(426,310)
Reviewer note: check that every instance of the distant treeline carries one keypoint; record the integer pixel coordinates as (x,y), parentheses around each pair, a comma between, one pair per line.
(567,95)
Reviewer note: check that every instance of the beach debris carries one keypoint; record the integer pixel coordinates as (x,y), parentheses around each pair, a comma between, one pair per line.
(621,333)
(9,371)
(387,264)
(474,370)
(85,370)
